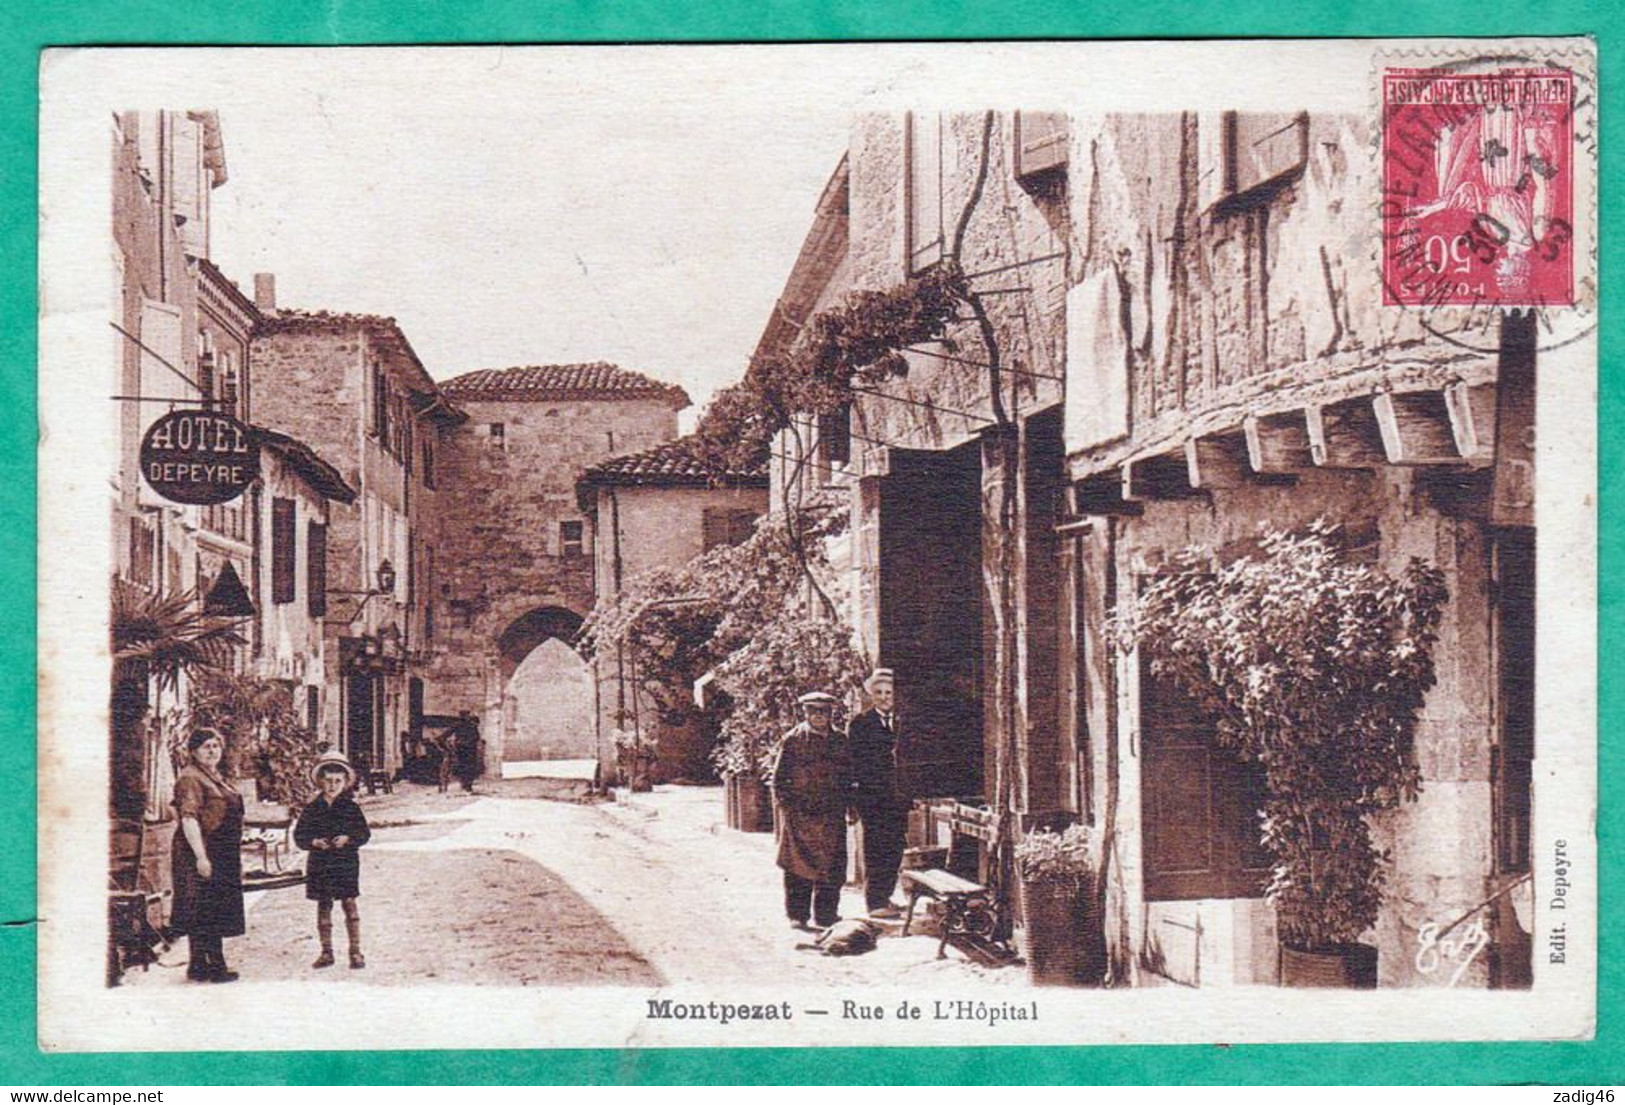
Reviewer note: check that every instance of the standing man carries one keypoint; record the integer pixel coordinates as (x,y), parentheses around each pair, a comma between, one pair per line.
(875,794)
(467,764)
(809,785)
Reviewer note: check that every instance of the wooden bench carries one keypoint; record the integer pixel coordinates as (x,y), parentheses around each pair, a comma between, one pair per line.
(269,827)
(967,909)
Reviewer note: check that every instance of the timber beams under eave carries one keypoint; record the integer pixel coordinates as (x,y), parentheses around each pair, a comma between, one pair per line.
(1165,476)
(1102,494)
(1278,444)
(1447,427)
(1217,463)
(1472,420)
(1345,435)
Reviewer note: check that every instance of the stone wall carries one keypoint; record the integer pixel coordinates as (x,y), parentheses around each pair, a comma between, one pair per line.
(1230,310)
(1013,248)
(312,381)
(1441,843)
(499,555)
(659,527)
(1230,306)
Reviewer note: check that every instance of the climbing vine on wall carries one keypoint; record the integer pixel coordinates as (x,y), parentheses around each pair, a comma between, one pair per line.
(745,613)
(859,340)
(1315,668)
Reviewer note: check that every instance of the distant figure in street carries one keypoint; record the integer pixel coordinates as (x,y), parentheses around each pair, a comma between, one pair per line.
(876,797)
(333,829)
(206,860)
(809,780)
(446,746)
(467,755)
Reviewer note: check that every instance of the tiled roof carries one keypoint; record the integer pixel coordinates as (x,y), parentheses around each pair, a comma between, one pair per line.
(303,459)
(674,464)
(598,380)
(382,330)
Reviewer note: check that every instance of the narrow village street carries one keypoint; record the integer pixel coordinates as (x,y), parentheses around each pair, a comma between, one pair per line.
(508,889)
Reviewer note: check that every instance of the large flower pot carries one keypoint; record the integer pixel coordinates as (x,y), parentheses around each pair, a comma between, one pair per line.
(1054,933)
(1347,966)
(749,809)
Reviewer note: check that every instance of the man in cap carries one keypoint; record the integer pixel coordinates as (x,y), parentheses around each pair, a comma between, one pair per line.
(809,785)
(878,800)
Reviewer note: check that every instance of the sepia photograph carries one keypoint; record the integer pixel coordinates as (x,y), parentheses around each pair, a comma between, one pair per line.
(909,544)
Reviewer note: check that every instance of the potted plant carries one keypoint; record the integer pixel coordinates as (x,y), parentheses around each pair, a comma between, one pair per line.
(1313,666)
(742,759)
(787,657)
(1057,884)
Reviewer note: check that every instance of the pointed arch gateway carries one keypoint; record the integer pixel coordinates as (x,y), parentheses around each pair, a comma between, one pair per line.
(547,705)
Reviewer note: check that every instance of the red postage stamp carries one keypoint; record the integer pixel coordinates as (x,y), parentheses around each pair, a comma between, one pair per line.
(1478,187)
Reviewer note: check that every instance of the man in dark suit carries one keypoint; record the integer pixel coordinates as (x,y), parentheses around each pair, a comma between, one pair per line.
(876,796)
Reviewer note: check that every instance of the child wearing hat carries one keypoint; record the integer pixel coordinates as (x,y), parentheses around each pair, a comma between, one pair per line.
(332,829)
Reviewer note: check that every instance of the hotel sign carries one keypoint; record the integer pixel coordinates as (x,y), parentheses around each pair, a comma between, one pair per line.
(199,457)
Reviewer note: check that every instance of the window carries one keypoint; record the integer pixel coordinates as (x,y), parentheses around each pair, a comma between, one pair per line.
(571,537)
(1199,803)
(283,552)
(835,436)
(205,369)
(229,385)
(922,155)
(1040,140)
(428,461)
(496,435)
(726,526)
(143,553)
(1251,152)
(316,569)
(380,405)
(313,709)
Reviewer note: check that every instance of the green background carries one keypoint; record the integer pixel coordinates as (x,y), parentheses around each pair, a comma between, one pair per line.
(30,27)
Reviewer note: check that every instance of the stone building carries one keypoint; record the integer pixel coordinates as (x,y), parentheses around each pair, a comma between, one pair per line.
(1179,344)
(1236,366)
(514,572)
(957,465)
(659,508)
(291,513)
(353,389)
(166,166)
(184,341)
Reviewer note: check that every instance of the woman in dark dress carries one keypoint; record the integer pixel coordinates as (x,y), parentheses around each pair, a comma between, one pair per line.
(206,859)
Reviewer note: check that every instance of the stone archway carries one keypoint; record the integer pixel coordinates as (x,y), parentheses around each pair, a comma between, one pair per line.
(547,706)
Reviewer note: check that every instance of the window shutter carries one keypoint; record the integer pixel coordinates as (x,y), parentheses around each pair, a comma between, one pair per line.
(1268,146)
(163,358)
(835,435)
(1040,141)
(1199,803)
(924,207)
(713,528)
(283,550)
(316,569)
(1097,363)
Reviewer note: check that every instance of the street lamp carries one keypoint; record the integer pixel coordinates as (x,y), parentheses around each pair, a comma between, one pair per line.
(385,581)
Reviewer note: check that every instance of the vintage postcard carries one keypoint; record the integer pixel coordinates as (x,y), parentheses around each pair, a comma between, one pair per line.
(972,544)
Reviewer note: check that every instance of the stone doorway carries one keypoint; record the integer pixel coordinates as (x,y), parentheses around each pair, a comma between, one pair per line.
(547,704)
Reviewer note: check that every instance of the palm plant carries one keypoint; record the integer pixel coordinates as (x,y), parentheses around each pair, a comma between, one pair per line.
(168,633)
(154,637)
